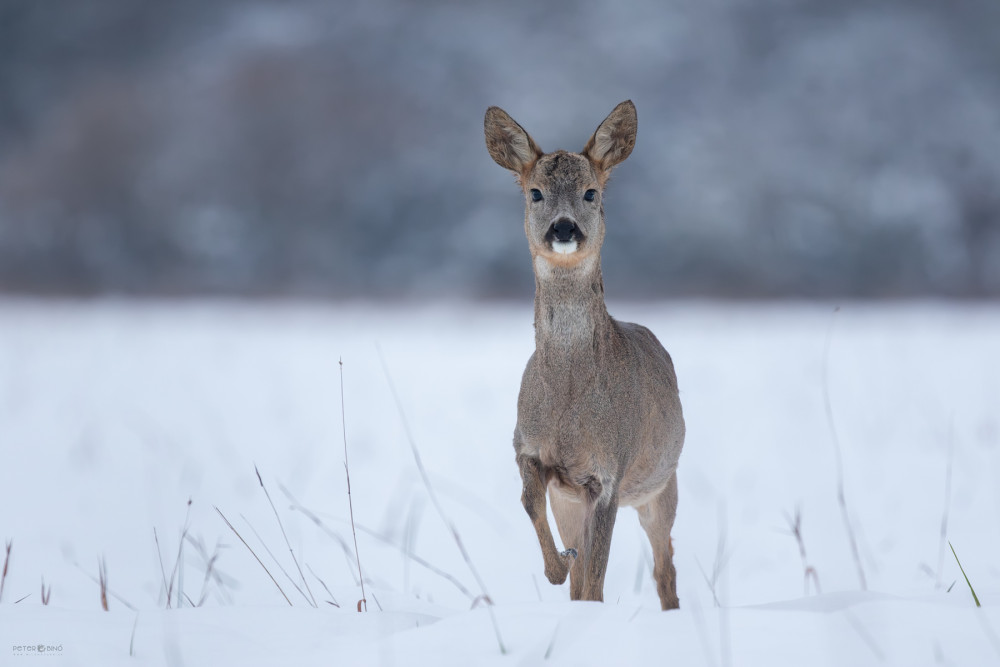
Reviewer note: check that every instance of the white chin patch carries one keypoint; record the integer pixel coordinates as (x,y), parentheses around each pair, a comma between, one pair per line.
(564,247)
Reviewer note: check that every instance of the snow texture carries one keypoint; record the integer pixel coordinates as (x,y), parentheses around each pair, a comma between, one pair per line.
(113,415)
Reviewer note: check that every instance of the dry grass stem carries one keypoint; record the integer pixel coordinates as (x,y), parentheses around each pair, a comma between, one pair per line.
(295,560)
(381,538)
(131,641)
(350,502)
(409,537)
(552,642)
(106,590)
(312,516)
(795,528)
(163,572)
(277,562)
(102,573)
(718,566)
(211,573)
(6,565)
(862,631)
(332,600)
(236,532)
(841,497)
(437,503)
(176,575)
(46,592)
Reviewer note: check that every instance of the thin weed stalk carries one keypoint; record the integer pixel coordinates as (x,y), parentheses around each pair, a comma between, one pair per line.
(163,572)
(969,583)
(409,537)
(332,600)
(408,553)
(278,563)
(719,565)
(795,528)
(211,573)
(381,538)
(236,532)
(106,590)
(841,497)
(295,560)
(344,546)
(552,642)
(46,592)
(710,582)
(859,627)
(131,641)
(102,573)
(350,502)
(177,574)
(437,503)
(6,565)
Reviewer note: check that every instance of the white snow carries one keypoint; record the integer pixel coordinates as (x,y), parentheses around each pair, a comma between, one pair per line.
(113,415)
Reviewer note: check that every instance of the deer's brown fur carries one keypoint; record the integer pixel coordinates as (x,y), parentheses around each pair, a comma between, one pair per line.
(599,421)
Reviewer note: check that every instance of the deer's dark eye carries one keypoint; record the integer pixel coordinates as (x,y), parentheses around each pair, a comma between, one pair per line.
(589,195)
(536,194)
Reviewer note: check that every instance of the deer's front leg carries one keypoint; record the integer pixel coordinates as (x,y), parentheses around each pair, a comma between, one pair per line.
(533,497)
(600,525)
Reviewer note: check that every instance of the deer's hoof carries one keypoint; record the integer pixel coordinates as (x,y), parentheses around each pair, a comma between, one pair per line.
(556,572)
(556,576)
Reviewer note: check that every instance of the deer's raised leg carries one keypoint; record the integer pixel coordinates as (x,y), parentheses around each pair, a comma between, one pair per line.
(657,519)
(533,499)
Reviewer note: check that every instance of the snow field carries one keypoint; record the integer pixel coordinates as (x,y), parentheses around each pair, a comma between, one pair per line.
(113,415)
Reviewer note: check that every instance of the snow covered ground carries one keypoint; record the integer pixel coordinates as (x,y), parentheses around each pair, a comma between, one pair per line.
(114,415)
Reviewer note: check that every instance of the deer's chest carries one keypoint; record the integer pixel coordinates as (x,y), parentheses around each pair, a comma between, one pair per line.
(568,412)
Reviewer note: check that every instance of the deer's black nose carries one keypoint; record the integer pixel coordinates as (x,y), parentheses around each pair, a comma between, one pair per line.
(563,230)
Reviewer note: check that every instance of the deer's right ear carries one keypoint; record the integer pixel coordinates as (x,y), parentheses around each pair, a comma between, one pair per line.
(509,145)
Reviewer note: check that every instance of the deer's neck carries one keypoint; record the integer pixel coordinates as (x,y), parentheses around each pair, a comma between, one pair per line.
(570,315)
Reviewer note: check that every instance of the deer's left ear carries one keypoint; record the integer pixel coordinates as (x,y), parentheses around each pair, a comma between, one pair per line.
(614,139)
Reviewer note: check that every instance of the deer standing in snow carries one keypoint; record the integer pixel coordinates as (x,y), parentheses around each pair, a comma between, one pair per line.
(599,421)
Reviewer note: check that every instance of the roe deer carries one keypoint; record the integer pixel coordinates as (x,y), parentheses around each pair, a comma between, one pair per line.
(599,420)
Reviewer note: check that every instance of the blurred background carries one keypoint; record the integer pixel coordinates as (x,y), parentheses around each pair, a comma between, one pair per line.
(787,148)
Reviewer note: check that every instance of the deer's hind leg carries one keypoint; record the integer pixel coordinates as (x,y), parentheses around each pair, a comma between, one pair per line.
(570,513)
(657,519)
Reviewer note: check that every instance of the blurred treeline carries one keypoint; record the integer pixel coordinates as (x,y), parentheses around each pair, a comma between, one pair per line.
(787,148)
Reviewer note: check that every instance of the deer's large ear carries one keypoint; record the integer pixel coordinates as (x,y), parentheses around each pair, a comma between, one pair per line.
(509,145)
(614,139)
